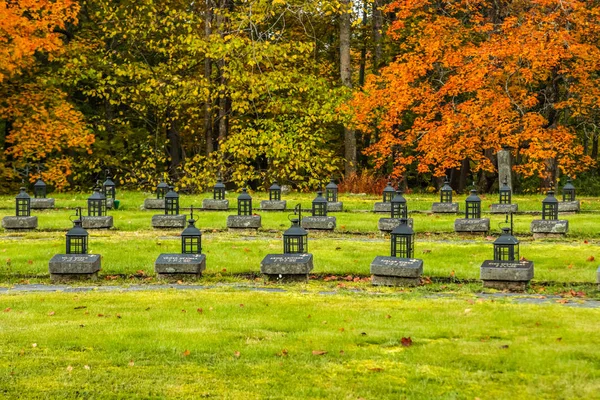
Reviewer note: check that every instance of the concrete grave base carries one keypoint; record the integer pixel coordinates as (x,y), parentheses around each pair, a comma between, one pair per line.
(215,205)
(273,205)
(41,204)
(382,207)
(506,274)
(287,267)
(598,277)
(389,224)
(504,208)
(67,267)
(472,225)
(110,203)
(154,204)
(244,222)
(549,235)
(178,266)
(547,226)
(393,271)
(569,206)
(15,223)
(319,223)
(506,285)
(163,221)
(334,206)
(105,222)
(444,208)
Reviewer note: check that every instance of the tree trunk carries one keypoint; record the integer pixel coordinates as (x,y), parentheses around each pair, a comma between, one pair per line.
(465,171)
(595,146)
(363,50)
(208,131)
(346,75)
(174,142)
(377,35)
(222,23)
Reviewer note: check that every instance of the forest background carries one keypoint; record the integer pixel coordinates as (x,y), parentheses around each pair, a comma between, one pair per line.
(297,91)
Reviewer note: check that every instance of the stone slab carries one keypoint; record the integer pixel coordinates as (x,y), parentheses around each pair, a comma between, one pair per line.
(512,271)
(42,204)
(105,222)
(174,265)
(74,266)
(567,206)
(389,224)
(212,204)
(334,206)
(550,226)
(472,225)
(19,223)
(154,204)
(382,207)
(162,221)
(504,208)
(445,208)
(273,205)
(319,223)
(244,221)
(110,203)
(506,285)
(377,280)
(598,277)
(398,267)
(287,264)
(505,167)
(286,278)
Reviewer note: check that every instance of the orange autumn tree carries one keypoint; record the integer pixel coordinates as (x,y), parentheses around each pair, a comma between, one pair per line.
(41,125)
(472,76)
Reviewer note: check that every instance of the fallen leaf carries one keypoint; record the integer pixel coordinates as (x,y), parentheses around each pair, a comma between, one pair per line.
(183,311)
(131,363)
(570,266)
(318,352)
(33,344)
(186,353)
(341,329)
(375,369)
(51,313)
(558,339)
(585,242)
(79,307)
(237,354)
(29,261)
(224,270)
(504,346)
(86,367)
(591,258)
(241,305)
(426,251)
(69,368)
(406,341)
(342,352)
(7,309)
(388,316)
(118,316)
(180,282)
(467,310)
(363,333)
(338,248)
(199,310)
(101,315)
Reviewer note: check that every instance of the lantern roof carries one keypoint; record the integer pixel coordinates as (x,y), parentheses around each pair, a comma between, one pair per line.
(162,185)
(39,184)
(473,196)
(295,229)
(22,194)
(77,229)
(569,185)
(275,186)
(219,184)
(506,238)
(389,188)
(191,229)
(320,198)
(244,195)
(171,194)
(97,195)
(108,182)
(331,185)
(398,198)
(504,186)
(403,228)
(446,187)
(550,197)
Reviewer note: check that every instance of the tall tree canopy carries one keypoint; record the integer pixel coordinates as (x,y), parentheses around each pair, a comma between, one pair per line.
(471,76)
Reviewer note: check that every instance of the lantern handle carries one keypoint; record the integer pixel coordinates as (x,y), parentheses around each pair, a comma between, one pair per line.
(77,214)
(298,212)
(506,223)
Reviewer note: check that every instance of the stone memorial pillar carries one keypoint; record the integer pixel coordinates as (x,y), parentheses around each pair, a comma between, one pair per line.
(505,167)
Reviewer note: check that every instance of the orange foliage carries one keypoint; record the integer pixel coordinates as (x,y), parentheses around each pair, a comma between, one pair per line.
(28,26)
(473,76)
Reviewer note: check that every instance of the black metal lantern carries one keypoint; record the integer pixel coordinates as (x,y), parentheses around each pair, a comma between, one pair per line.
(39,189)
(403,240)
(171,202)
(219,190)
(295,239)
(96,204)
(23,204)
(191,237)
(388,193)
(473,203)
(505,193)
(244,203)
(331,192)
(77,237)
(506,247)
(161,190)
(568,191)
(446,192)
(399,207)
(275,192)
(109,189)
(319,205)
(550,206)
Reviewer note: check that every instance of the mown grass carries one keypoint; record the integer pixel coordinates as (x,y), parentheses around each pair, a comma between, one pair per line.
(229,255)
(252,345)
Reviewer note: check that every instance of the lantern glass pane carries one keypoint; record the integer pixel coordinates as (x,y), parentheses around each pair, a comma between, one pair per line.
(399,210)
(39,192)
(550,211)
(76,245)
(387,196)
(505,197)
(402,246)
(319,209)
(23,208)
(506,252)
(109,192)
(275,195)
(191,245)
(331,195)
(295,244)
(219,194)
(96,208)
(244,207)
(172,206)
(446,196)
(160,193)
(473,209)
(569,195)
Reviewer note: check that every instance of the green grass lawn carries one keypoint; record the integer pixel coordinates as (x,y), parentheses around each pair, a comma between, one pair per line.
(253,345)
